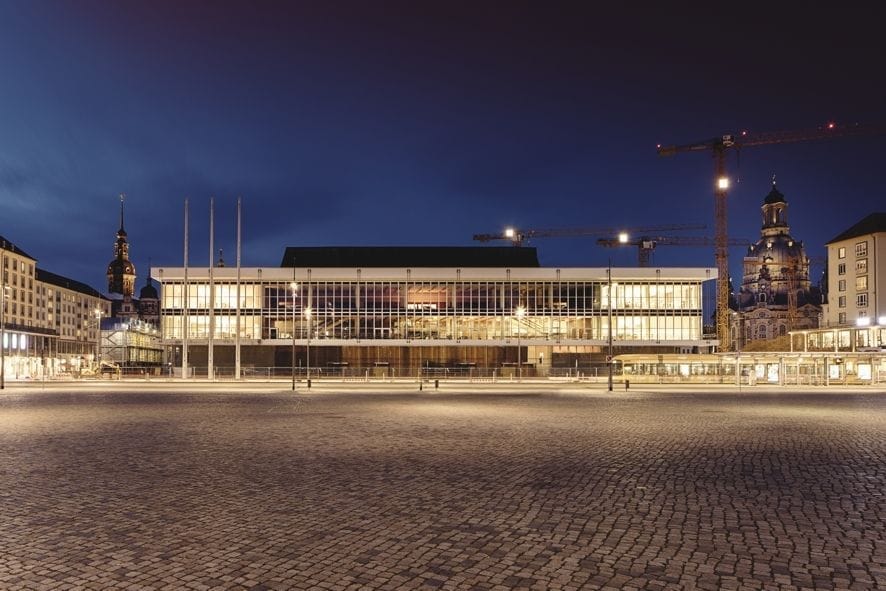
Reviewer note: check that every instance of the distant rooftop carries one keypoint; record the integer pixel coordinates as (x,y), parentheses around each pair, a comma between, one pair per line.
(409,256)
(60,281)
(876,222)
(7,245)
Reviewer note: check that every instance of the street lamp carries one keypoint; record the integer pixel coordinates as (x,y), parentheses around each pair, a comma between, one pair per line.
(520,312)
(308,357)
(609,306)
(293,286)
(98,340)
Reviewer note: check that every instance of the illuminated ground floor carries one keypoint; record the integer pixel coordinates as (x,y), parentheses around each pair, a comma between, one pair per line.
(35,354)
(816,369)
(324,358)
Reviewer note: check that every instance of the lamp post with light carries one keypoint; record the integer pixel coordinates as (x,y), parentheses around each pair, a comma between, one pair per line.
(520,312)
(293,287)
(98,340)
(308,348)
(609,306)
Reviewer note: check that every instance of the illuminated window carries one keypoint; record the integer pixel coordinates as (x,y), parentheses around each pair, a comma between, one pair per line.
(841,252)
(861,283)
(861,249)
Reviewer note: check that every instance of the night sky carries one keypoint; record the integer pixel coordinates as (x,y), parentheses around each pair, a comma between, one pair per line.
(419,123)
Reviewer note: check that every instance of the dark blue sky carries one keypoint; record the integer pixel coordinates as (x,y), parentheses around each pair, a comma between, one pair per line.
(417,123)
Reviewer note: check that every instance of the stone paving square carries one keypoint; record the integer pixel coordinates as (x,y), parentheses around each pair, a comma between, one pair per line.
(228,489)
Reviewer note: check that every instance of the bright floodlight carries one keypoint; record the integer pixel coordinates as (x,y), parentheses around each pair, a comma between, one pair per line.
(623,237)
(723,183)
(509,232)
(863,321)
(308,312)
(293,286)
(521,311)
(881,320)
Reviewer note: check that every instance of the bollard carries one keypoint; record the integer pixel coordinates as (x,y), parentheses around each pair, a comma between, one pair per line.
(627,385)
(436,384)
(309,382)
(419,385)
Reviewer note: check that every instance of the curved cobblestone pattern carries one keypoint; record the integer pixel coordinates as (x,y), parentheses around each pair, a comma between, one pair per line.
(233,490)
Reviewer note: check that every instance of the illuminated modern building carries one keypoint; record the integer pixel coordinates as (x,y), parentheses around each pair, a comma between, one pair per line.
(408,308)
(776,270)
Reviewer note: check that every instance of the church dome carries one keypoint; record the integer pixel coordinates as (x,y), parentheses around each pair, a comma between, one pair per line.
(774,196)
(779,249)
(148,292)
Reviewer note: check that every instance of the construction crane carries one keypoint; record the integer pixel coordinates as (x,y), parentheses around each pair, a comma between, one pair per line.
(646,245)
(718,146)
(518,237)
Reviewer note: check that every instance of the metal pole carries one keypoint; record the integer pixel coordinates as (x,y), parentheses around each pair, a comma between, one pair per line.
(98,340)
(185,302)
(609,306)
(519,314)
(293,286)
(308,358)
(237,323)
(309,311)
(210,353)
(519,356)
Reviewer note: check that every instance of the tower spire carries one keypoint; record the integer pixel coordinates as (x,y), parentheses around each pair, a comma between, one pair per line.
(121,272)
(122,197)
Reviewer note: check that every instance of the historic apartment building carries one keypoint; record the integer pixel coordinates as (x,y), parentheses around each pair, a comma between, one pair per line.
(406,308)
(857,274)
(49,323)
(855,313)
(52,325)
(776,294)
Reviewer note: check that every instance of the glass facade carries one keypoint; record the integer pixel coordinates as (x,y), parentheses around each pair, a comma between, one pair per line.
(392,306)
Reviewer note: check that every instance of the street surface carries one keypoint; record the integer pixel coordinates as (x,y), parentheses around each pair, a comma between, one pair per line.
(227,488)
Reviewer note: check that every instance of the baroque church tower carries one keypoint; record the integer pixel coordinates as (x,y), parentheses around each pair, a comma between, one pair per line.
(121,272)
(776,295)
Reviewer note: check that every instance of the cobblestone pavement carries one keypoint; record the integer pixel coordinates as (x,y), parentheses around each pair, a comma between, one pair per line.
(275,490)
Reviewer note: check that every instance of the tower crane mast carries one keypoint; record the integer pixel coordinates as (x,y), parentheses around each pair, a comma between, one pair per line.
(718,147)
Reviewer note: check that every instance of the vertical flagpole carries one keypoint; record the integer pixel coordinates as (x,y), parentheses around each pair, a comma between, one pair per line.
(185,302)
(210,370)
(237,343)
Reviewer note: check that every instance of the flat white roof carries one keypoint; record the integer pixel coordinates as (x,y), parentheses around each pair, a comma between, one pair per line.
(248,274)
